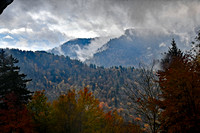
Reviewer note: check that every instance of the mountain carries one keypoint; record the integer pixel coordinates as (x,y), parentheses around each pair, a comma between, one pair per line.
(71,47)
(130,49)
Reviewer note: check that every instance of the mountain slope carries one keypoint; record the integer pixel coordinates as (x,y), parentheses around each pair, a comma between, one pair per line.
(130,49)
(71,47)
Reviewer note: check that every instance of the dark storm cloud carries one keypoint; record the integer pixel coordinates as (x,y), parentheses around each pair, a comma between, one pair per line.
(59,20)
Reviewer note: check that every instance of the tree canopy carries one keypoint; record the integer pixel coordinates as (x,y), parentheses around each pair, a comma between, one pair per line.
(180,86)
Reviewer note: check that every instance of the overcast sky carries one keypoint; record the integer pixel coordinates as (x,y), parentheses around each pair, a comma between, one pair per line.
(44,24)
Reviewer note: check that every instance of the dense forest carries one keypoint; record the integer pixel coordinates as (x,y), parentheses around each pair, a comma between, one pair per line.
(95,99)
(57,74)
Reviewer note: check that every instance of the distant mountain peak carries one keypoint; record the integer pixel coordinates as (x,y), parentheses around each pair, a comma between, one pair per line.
(131,48)
(79,41)
(71,47)
(130,32)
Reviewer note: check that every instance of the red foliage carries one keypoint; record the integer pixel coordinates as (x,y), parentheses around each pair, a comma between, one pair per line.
(14,118)
(180,85)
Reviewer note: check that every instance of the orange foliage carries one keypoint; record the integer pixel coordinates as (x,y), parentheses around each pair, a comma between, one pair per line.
(115,123)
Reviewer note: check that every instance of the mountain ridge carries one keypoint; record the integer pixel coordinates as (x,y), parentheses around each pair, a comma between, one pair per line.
(130,49)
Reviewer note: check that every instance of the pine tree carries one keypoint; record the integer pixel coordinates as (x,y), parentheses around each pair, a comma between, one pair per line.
(172,53)
(12,81)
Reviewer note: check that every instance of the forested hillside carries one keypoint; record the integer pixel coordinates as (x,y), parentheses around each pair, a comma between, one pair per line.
(56,74)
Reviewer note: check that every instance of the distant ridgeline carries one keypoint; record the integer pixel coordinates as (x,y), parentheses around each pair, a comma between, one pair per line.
(129,49)
(56,74)
(69,48)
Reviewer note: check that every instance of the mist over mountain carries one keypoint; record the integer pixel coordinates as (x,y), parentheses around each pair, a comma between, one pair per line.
(71,47)
(130,49)
(80,48)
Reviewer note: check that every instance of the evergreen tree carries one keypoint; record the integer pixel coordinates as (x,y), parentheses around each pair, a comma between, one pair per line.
(173,52)
(12,81)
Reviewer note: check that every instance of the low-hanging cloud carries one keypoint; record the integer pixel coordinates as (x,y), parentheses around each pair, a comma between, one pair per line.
(88,51)
(57,21)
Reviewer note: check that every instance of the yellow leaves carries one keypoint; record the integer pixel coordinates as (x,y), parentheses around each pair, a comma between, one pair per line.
(120,110)
(88,86)
(76,112)
(85,97)
(146,125)
(69,79)
(128,103)
(101,104)
(77,108)
(113,99)
(198,58)
(138,119)
(146,128)
(40,109)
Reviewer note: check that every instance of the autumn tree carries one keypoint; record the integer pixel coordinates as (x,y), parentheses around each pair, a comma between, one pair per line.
(114,123)
(89,111)
(142,94)
(180,86)
(77,112)
(65,112)
(41,112)
(14,118)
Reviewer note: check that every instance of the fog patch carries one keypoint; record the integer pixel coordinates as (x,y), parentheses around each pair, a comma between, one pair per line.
(95,46)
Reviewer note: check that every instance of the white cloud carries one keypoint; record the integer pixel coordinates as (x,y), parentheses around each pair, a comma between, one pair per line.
(88,51)
(8,37)
(4,30)
(23,43)
(4,44)
(162,45)
(56,21)
(149,48)
(16,31)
